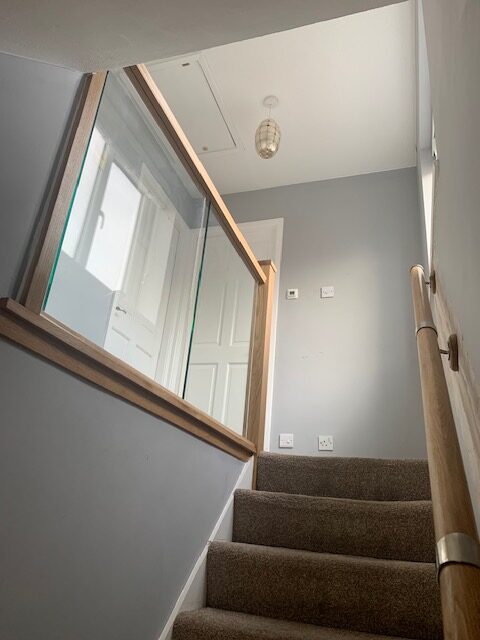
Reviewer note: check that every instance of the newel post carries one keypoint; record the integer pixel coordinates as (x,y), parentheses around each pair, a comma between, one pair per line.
(260,357)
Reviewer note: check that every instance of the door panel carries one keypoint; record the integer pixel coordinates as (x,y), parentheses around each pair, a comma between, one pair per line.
(241,317)
(222,331)
(234,402)
(201,383)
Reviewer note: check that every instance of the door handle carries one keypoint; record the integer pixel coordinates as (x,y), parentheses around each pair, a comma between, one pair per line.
(118,308)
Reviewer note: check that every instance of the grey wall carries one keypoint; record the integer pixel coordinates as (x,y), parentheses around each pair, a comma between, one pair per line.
(36,100)
(453,41)
(453,44)
(424,135)
(103,508)
(346,366)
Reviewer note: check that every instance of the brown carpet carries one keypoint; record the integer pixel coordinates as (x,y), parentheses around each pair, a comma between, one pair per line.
(355,478)
(216,624)
(390,530)
(361,594)
(354,565)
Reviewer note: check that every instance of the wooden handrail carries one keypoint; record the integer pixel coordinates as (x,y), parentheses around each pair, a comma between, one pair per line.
(458,551)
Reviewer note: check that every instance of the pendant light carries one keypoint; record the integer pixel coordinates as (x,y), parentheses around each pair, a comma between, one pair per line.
(267,136)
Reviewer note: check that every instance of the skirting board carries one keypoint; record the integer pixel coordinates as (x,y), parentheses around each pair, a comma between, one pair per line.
(193,594)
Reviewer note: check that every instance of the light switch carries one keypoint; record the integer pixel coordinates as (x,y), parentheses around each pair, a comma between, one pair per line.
(286,441)
(292,294)
(327,292)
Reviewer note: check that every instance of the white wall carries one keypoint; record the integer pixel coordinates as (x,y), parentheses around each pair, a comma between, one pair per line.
(95,37)
(346,366)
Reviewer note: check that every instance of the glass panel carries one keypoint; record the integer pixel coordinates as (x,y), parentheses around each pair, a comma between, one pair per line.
(127,271)
(218,362)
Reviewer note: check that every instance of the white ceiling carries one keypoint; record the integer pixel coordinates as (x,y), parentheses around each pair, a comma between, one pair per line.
(102,34)
(347,100)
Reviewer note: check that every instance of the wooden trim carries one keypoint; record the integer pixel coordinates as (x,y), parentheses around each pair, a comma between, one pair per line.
(464,389)
(452,506)
(83,358)
(257,407)
(37,287)
(158,107)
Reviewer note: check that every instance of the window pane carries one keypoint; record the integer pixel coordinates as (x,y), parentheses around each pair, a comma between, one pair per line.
(112,240)
(84,193)
(127,271)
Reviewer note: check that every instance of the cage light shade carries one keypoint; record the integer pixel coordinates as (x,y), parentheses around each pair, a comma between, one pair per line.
(267,138)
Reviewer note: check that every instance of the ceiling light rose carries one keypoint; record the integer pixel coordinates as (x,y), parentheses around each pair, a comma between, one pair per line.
(267,136)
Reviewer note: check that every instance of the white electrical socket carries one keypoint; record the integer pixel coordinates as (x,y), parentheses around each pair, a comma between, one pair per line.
(286,441)
(325,443)
(292,294)
(327,292)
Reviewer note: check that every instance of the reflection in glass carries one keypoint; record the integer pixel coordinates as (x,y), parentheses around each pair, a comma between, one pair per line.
(217,373)
(127,271)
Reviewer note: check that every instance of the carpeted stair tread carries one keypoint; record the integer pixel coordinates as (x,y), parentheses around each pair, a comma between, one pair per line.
(379,529)
(355,478)
(360,594)
(216,624)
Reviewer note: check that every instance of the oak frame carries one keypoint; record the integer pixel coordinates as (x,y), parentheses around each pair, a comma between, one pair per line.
(23,321)
(256,409)
(37,284)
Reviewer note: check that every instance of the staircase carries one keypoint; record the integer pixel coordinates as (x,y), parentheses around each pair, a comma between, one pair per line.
(325,549)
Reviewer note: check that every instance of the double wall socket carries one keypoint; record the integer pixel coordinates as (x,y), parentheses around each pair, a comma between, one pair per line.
(327,292)
(325,443)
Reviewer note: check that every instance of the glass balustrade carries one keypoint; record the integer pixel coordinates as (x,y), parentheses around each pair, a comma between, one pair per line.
(127,269)
(217,371)
(145,270)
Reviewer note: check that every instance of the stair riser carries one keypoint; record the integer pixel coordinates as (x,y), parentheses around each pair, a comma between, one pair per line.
(396,531)
(381,597)
(214,624)
(355,478)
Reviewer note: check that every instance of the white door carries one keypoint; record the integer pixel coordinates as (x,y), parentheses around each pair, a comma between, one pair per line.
(218,366)
(135,330)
